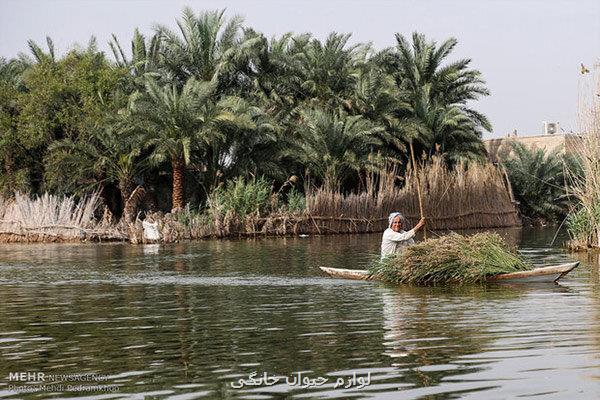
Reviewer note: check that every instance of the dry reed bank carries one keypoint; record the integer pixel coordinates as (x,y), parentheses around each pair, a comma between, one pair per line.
(477,196)
(584,221)
(51,218)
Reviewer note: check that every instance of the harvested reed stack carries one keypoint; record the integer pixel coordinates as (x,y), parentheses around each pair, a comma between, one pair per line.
(451,258)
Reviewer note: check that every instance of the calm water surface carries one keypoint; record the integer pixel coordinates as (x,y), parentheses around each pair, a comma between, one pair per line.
(190,320)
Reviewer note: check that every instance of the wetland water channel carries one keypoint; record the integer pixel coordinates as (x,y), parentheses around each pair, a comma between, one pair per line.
(190,320)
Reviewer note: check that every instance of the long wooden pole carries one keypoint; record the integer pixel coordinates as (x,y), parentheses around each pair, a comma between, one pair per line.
(414,167)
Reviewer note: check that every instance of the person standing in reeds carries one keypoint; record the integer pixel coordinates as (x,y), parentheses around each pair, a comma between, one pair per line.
(395,238)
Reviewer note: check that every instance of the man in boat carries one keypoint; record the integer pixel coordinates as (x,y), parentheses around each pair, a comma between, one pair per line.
(395,238)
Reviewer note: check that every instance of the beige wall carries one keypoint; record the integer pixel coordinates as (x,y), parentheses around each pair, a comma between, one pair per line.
(565,142)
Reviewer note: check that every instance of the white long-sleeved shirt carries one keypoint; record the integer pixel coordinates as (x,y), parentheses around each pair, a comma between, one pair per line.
(392,242)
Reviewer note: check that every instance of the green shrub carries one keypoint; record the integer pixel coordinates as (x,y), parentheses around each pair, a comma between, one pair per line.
(296,202)
(583,224)
(187,216)
(241,197)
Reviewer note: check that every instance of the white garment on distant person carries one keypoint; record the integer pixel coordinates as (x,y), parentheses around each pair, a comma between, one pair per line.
(393,242)
(150,230)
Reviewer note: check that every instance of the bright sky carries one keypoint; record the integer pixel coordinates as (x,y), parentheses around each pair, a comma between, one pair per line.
(529,51)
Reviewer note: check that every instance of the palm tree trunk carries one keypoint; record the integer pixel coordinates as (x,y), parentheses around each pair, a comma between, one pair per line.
(9,172)
(126,188)
(131,205)
(9,166)
(178,183)
(104,195)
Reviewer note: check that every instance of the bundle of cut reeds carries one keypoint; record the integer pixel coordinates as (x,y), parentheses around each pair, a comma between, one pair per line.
(450,259)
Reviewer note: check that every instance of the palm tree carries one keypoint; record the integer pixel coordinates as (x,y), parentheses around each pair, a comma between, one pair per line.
(38,55)
(206,48)
(11,72)
(145,55)
(438,93)
(538,181)
(111,155)
(376,97)
(296,72)
(420,67)
(180,121)
(299,70)
(454,134)
(276,84)
(333,145)
(15,159)
(327,69)
(257,149)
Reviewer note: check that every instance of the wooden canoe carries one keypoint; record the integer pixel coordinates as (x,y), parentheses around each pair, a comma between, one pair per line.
(545,274)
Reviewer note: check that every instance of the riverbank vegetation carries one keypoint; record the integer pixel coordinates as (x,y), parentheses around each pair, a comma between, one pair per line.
(584,220)
(217,100)
(214,122)
(458,198)
(539,181)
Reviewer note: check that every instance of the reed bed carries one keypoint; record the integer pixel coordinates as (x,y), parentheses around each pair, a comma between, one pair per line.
(584,222)
(473,196)
(477,196)
(52,218)
(453,259)
(464,197)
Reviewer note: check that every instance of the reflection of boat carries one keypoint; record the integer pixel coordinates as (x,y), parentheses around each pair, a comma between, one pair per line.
(545,274)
